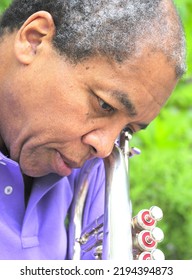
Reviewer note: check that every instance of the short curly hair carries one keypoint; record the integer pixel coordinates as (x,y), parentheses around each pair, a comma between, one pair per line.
(117,29)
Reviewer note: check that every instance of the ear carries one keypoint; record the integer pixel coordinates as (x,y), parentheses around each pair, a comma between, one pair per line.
(37,31)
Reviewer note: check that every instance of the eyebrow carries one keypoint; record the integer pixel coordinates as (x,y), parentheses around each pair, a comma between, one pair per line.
(122,98)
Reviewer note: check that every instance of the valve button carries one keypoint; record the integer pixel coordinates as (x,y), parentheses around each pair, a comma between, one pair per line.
(156,213)
(157,255)
(157,234)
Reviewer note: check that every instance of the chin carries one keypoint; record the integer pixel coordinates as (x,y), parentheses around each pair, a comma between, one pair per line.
(34,172)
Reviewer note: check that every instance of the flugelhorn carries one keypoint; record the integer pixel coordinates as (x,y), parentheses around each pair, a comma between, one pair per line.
(116,235)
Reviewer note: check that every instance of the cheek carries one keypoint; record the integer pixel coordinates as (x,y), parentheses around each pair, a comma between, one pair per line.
(73,115)
(65,124)
(66,109)
(36,162)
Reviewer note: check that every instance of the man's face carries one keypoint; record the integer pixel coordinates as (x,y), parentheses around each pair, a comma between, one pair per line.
(65,114)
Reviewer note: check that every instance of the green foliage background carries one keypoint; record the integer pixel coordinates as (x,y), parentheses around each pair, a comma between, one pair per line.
(161,175)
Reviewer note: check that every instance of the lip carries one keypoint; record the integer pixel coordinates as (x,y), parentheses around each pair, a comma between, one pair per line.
(61,166)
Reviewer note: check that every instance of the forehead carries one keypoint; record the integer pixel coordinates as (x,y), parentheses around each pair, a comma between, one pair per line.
(149,74)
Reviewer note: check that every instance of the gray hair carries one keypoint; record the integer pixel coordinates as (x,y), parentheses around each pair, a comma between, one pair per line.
(118,29)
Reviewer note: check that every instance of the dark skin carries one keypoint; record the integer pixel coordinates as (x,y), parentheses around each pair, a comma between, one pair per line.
(65,114)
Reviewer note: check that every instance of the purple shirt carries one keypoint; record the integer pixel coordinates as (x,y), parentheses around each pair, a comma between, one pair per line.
(38,230)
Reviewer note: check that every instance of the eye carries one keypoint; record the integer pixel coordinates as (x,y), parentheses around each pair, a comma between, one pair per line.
(105,106)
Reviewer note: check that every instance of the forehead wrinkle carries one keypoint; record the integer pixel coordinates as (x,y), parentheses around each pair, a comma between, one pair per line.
(122,98)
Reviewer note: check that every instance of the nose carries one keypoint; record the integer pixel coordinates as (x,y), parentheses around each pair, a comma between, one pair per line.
(101,142)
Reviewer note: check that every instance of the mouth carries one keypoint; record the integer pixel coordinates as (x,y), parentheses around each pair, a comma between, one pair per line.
(61,166)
